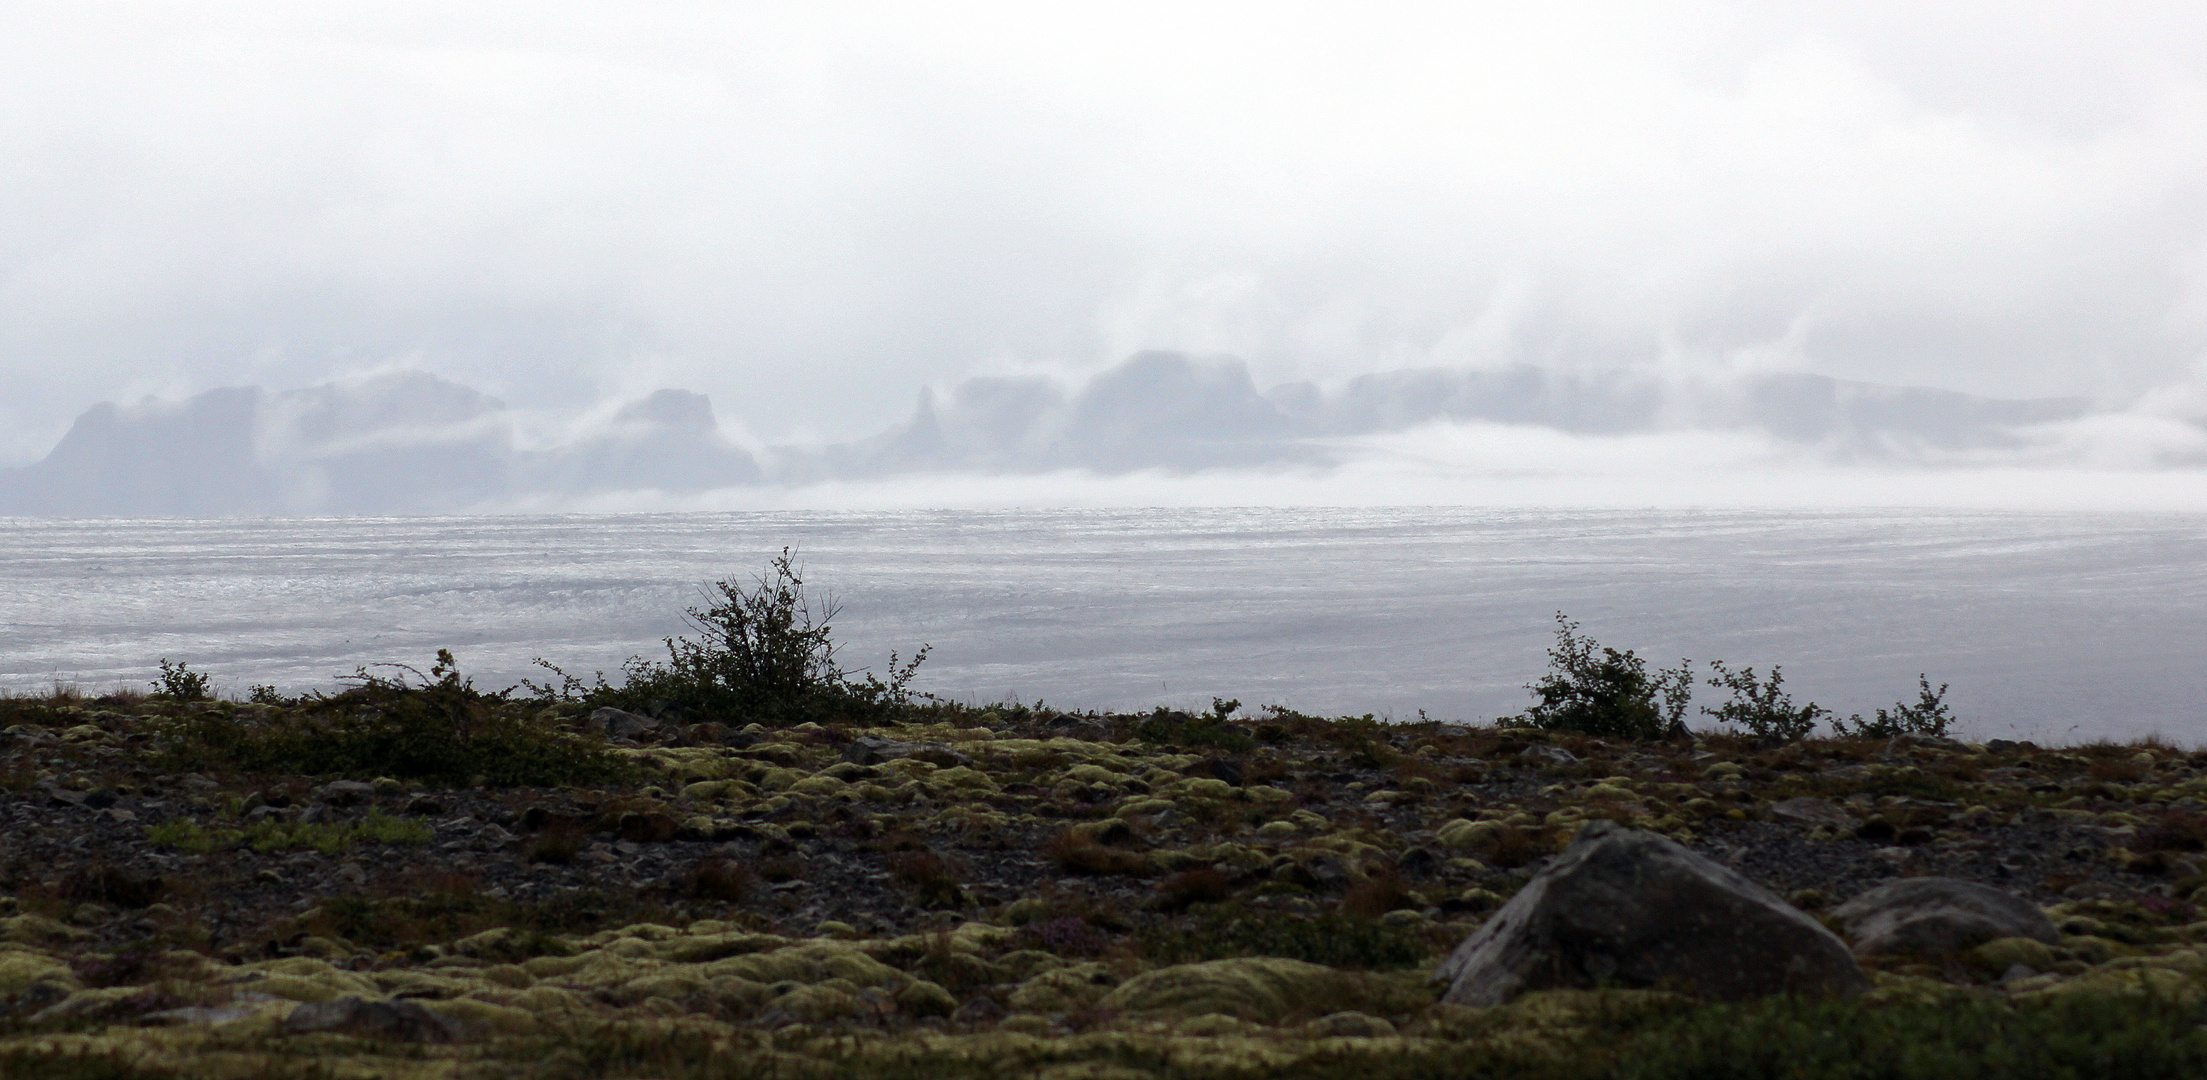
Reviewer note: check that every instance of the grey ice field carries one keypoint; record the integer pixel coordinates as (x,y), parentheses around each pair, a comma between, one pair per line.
(2048,626)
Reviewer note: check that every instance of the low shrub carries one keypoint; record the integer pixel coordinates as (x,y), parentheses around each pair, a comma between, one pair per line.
(1512,846)
(557,842)
(1927,715)
(763,652)
(724,880)
(1958,1038)
(935,882)
(83,1062)
(328,838)
(434,727)
(1334,939)
(446,907)
(1212,730)
(1068,935)
(1377,895)
(1077,852)
(2175,830)
(105,884)
(1199,885)
(180,683)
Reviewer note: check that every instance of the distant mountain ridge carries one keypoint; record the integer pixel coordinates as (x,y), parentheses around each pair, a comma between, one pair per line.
(410,442)
(406,443)
(1167,410)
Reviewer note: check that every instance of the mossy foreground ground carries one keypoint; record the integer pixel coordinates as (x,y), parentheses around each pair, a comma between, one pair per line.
(1009,893)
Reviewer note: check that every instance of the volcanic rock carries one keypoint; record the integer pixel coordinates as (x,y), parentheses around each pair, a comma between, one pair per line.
(620,723)
(1631,908)
(398,1021)
(873,749)
(347,792)
(1809,810)
(1937,916)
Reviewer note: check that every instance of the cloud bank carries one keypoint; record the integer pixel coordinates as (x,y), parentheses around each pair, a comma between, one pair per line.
(809,212)
(410,442)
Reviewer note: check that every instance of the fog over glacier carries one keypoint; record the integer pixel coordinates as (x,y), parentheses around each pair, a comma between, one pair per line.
(413,443)
(366,258)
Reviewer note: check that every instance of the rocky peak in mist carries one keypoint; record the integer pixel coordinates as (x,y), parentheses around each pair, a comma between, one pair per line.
(1172,411)
(410,442)
(400,443)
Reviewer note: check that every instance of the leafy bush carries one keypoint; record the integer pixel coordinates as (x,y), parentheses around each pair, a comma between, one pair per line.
(764,653)
(434,727)
(1762,708)
(1591,689)
(1928,715)
(181,683)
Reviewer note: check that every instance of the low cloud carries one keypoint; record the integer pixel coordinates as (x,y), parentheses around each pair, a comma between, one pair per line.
(1158,428)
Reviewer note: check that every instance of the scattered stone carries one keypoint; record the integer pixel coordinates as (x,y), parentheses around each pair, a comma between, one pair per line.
(346,792)
(874,749)
(1811,811)
(1547,754)
(979,1010)
(620,723)
(1631,908)
(1937,916)
(398,1021)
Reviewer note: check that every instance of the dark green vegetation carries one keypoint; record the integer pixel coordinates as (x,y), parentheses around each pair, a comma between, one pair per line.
(1337,939)
(190,836)
(411,726)
(1592,689)
(2133,1038)
(2139,1038)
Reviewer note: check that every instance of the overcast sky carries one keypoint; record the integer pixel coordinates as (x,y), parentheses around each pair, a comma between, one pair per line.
(810,211)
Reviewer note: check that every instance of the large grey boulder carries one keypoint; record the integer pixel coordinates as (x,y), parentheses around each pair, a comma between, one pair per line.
(1812,811)
(1936,916)
(397,1021)
(1623,907)
(874,749)
(620,723)
(346,792)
